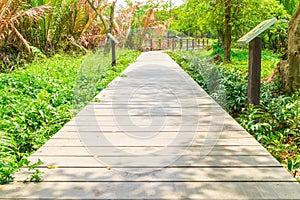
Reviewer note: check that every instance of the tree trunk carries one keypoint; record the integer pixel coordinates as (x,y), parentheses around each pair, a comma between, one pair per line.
(289,70)
(110,28)
(221,38)
(228,30)
(293,79)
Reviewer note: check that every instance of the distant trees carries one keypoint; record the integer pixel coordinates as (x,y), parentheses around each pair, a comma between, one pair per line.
(51,26)
(226,19)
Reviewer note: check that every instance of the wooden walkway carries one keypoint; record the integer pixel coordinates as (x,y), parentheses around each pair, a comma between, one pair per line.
(155,134)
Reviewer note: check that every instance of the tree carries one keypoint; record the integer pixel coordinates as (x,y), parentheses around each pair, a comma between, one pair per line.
(293,78)
(228,31)
(12,15)
(226,19)
(290,5)
(289,70)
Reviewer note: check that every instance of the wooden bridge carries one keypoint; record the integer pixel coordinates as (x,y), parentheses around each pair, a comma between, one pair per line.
(154,134)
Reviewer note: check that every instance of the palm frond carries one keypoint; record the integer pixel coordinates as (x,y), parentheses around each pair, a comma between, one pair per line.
(33,14)
(89,23)
(21,38)
(81,19)
(12,16)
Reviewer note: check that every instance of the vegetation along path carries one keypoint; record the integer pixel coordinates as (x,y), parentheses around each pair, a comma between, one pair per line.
(153,133)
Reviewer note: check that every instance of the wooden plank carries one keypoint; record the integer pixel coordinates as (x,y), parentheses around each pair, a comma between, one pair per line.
(158,111)
(100,106)
(199,103)
(192,119)
(89,120)
(149,91)
(161,100)
(151,151)
(161,174)
(101,141)
(212,123)
(163,136)
(131,128)
(143,161)
(164,107)
(153,190)
(202,135)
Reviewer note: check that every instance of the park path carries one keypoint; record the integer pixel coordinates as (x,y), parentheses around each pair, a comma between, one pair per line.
(153,133)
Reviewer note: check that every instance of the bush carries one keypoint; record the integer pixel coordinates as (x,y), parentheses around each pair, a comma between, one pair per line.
(37,101)
(275,123)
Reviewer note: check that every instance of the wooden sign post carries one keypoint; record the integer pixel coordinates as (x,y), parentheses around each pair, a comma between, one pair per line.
(254,69)
(254,63)
(114,41)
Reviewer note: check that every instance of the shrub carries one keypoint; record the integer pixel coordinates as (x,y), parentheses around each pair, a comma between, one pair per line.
(275,123)
(37,101)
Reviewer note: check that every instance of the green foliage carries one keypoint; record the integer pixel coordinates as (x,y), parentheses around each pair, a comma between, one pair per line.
(275,123)
(276,37)
(35,176)
(207,18)
(217,48)
(208,15)
(37,101)
(239,61)
(290,5)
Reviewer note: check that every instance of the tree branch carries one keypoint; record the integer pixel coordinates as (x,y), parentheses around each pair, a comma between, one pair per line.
(99,14)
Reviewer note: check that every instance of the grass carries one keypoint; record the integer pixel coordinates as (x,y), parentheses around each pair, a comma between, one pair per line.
(239,61)
(36,101)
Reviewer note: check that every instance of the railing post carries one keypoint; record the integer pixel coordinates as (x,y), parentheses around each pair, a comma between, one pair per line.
(173,44)
(187,44)
(180,44)
(193,44)
(203,44)
(168,43)
(207,41)
(159,44)
(151,44)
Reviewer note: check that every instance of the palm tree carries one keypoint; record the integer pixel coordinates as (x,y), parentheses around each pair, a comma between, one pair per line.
(13,16)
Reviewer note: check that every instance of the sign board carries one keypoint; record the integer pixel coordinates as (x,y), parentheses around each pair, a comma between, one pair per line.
(113,38)
(257,31)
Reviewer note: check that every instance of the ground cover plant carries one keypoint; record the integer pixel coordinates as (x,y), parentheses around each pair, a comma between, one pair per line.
(36,101)
(275,124)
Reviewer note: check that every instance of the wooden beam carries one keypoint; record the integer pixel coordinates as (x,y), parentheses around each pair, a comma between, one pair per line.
(173,44)
(254,68)
(193,44)
(187,44)
(151,44)
(180,44)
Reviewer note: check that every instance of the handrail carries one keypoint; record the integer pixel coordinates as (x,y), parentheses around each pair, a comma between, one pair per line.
(172,43)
